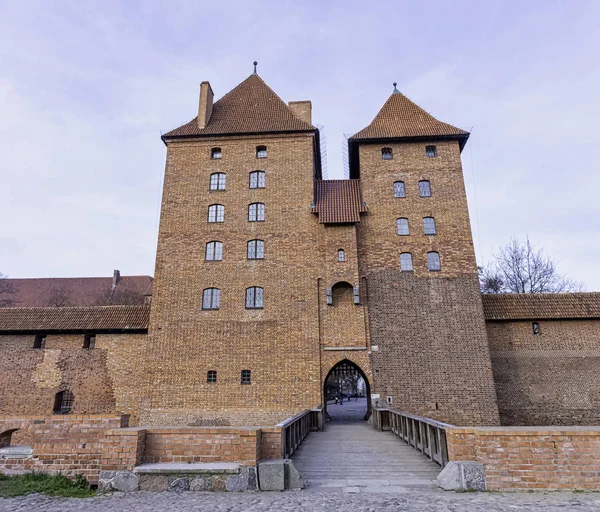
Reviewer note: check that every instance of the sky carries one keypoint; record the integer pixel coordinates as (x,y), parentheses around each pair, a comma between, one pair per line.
(86,88)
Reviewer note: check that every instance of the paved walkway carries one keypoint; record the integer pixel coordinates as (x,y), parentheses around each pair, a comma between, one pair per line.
(352,457)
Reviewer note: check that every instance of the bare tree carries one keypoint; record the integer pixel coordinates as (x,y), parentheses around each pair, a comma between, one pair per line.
(523,268)
(58,297)
(7,292)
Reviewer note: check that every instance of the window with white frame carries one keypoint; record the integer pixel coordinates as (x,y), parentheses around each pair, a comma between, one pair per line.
(256,212)
(257,179)
(216,213)
(256,249)
(428,225)
(217,181)
(211,298)
(254,297)
(402,225)
(406,263)
(341,255)
(399,190)
(433,261)
(214,251)
(424,188)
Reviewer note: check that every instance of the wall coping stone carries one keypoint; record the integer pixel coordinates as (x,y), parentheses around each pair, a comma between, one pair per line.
(195,467)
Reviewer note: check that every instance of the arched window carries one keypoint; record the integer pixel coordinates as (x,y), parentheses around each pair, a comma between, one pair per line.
(402,225)
(424,188)
(430,151)
(257,179)
(428,226)
(399,190)
(215,153)
(217,181)
(211,298)
(254,297)
(433,261)
(63,402)
(341,255)
(261,151)
(214,251)
(386,153)
(256,212)
(216,213)
(256,250)
(406,264)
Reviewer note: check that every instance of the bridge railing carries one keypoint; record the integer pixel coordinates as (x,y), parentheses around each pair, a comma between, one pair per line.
(424,434)
(296,428)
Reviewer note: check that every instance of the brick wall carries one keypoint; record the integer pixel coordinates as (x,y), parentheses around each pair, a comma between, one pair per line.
(531,458)
(548,379)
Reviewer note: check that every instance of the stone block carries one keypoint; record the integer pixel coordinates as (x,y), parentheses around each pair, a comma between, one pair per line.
(245,481)
(271,475)
(293,478)
(200,484)
(154,482)
(462,476)
(178,484)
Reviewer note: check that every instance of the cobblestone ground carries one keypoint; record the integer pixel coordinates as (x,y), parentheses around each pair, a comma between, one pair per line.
(307,501)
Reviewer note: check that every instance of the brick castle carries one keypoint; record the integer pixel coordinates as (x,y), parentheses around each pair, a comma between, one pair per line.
(268,276)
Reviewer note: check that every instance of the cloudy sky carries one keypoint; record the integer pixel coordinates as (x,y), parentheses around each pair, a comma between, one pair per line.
(87,87)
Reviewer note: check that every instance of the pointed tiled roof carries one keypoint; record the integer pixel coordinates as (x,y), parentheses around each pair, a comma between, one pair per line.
(251,107)
(338,201)
(401,118)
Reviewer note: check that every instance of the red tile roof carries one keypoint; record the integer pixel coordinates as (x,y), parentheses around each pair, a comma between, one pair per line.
(78,291)
(400,118)
(251,107)
(534,306)
(338,201)
(97,318)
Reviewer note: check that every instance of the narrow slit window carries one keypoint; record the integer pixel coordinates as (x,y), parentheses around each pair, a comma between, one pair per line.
(215,153)
(89,341)
(433,261)
(536,328)
(424,188)
(39,341)
(256,249)
(63,402)
(256,212)
(341,255)
(254,297)
(246,377)
(430,151)
(211,376)
(261,151)
(406,263)
(386,153)
(429,226)
(402,225)
(211,298)
(214,251)
(217,181)
(216,213)
(257,179)
(399,190)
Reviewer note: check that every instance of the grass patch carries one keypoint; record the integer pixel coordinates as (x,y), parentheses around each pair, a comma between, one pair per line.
(52,485)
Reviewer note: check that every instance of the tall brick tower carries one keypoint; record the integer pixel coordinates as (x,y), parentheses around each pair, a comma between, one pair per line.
(234,338)
(428,339)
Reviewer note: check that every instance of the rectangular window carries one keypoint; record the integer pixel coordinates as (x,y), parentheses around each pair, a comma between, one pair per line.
(430,151)
(261,151)
(402,224)
(536,328)
(433,261)
(216,213)
(341,255)
(256,250)
(406,264)
(89,341)
(214,251)
(39,341)
(246,377)
(256,212)
(211,298)
(424,188)
(254,297)
(215,153)
(257,179)
(217,181)
(429,225)
(211,376)
(399,190)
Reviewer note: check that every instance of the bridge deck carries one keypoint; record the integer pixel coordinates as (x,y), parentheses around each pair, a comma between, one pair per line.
(353,457)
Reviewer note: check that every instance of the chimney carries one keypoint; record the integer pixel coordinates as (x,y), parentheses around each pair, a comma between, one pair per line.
(116,277)
(302,109)
(205,105)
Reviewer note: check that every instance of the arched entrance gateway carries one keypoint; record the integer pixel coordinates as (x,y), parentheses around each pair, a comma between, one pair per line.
(346,393)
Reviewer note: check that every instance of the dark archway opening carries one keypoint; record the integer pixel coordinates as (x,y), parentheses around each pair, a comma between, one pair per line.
(346,393)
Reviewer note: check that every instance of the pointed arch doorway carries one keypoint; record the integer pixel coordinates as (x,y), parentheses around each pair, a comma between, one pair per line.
(346,393)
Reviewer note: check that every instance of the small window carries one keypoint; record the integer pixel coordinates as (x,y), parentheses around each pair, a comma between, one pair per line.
(214,251)
(256,250)
(215,153)
(424,188)
(211,376)
(261,151)
(39,341)
(246,377)
(211,298)
(217,181)
(406,264)
(402,224)
(399,190)
(428,225)
(430,151)
(216,213)
(386,153)
(257,179)
(254,297)
(433,261)
(256,212)
(536,328)
(89,341)
(63,402)
(341,255)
